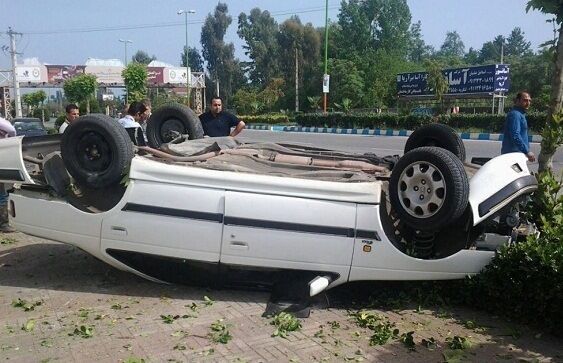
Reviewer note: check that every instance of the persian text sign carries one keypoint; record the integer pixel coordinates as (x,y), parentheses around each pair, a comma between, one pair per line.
(482,79)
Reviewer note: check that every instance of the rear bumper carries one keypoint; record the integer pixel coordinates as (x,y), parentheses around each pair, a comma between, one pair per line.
(524,185)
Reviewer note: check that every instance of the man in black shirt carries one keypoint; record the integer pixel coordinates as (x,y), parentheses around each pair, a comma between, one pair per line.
(217,122)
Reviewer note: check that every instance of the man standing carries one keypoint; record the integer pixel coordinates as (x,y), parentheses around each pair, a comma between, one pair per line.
(72,113)
(515,132)
(6,130)
(135,114)
(217,122)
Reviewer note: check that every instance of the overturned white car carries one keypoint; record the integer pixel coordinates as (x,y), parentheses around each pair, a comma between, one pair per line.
(220,204)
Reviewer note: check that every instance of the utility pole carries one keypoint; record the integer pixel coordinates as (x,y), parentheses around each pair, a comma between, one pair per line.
(17,95)
(296,80)
(326,77)
(500,110)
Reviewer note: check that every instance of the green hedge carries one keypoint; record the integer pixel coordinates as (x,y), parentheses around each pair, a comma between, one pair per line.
(275,119)
(483,122)
(525,281)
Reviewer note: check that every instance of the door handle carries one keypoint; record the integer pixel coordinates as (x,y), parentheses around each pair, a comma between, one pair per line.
(122,231)
(239,245)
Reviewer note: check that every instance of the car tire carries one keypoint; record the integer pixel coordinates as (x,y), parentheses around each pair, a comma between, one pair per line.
(172,118)
(429,188)
(96,151)
(439,135)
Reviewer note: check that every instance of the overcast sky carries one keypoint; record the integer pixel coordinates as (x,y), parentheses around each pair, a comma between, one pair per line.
(69,32)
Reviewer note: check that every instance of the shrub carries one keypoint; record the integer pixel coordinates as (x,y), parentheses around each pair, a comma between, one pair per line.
(525,281)
(484,122)
(273,119)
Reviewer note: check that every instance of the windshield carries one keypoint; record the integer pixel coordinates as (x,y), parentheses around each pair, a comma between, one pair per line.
(28,125)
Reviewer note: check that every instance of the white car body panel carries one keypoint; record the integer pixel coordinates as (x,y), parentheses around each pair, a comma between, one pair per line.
(13,166)
(385,262)
(493,177)
(149,170)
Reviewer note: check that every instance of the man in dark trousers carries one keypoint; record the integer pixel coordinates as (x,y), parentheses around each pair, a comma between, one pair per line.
(515,131)
(217,122)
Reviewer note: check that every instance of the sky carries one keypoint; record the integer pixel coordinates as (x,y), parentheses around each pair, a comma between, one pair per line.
(69,32)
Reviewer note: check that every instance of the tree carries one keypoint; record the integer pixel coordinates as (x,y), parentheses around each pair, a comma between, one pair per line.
(305,41)
(220,56)
(453,46)
(374,24)
(418,49)
(491,51)
(552,127)
(471,57)
(135,79)
(259,30)
(79,88)
(142,57)
(196,62)
(516,44)
(34,99)
(436,79)
(347,82)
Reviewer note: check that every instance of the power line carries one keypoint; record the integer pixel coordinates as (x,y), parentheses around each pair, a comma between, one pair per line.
(162,25)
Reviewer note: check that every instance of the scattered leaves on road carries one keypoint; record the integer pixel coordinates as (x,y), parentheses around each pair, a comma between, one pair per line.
(29,325)
(25,305)
(7,241)
(83,331)
(284,323)
(220,332)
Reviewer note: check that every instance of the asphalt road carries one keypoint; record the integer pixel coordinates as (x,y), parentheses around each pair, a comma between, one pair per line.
(380,145)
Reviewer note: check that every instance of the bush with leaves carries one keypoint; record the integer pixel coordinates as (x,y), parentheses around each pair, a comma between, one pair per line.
(272,119)
(525,281)
(135,78)
(482,122)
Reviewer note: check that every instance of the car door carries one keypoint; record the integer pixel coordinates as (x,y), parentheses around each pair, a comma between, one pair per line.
(288,232)
(165,219)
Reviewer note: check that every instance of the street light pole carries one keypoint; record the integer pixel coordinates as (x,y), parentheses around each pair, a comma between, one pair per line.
(326,76)
(186,12)
(125,41)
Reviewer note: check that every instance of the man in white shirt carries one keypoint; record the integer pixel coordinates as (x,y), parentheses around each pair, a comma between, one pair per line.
(135,114)
(72,113)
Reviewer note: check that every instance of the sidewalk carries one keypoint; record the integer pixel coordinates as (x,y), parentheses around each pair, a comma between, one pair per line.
(379,132)
(84,311)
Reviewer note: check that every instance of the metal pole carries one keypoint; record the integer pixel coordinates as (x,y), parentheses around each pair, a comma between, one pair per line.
(16,83)
(326,53)
(125,41)
(187,61)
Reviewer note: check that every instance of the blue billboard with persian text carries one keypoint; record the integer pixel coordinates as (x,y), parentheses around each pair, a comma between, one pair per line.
(467,80)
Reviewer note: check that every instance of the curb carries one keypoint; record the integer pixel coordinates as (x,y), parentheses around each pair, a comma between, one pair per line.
(380,132)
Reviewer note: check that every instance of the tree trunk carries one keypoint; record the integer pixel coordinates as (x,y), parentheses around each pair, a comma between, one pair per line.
(546,157)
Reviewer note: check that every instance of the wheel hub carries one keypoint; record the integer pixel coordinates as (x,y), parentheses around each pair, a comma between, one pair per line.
(422,189)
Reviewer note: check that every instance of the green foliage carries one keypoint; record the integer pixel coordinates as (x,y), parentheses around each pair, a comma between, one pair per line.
(220,332)
(546,207)
(458,342)
(552,134)
(271,119)
(25,305)
(34,99)
(83,331)
(80,87)
(135,79)
(383,330)
(436,79)
(547,7)
(525,281)
(142,57)
(59,121)
(345,106)
(284,323)
(482,122)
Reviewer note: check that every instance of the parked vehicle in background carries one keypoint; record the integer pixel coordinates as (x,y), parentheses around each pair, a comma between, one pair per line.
(29,126)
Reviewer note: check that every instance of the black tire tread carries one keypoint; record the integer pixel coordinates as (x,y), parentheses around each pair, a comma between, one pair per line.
(118,140)
(181,112)
(437,135)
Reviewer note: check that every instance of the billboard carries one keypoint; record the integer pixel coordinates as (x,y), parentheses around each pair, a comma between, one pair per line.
(29,74)
(155,75)
(106,74)
(60,73)
(176,75)
(467,80)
